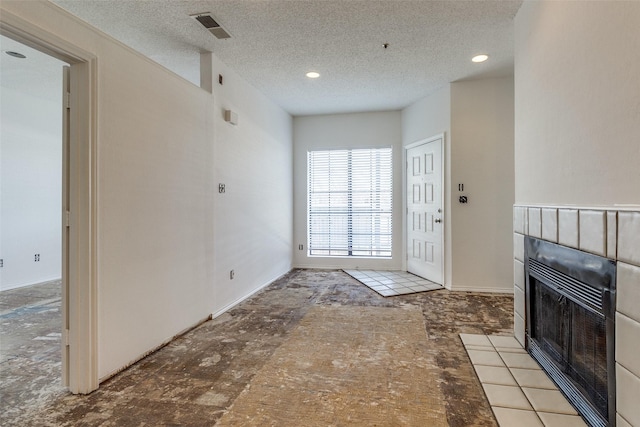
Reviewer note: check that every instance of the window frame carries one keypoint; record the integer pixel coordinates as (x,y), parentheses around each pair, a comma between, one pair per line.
(378,213)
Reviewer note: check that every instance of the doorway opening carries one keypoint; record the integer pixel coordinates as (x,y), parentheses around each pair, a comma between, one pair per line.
(78,223)
(31,177)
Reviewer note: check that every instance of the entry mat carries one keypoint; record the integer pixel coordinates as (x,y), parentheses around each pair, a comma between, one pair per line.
(392,283)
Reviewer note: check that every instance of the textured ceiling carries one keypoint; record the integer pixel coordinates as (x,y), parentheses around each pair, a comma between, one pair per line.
(275,42)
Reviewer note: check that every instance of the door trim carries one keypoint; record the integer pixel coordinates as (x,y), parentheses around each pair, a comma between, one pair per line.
(82,303)
(405,149)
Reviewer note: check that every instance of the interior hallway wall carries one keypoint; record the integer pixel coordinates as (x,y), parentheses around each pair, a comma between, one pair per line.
(253,217)
(154,196)
(30,187)
(344,131)
(427,117)
(482,159)
(163,147)
(577,103)
(477,119)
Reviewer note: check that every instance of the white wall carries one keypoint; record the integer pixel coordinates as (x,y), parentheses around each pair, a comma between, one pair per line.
(341,131)
(155,198)
(482,160)
(577,105)
(477,119)
(577,111)
(161,267)
(425,118)
(31,192)
(253,232)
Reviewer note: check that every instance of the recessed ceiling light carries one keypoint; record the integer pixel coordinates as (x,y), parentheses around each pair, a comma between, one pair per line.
(313,75)
(480,58)
(15,54)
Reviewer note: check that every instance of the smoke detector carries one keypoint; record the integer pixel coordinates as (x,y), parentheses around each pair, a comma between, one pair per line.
(207,21)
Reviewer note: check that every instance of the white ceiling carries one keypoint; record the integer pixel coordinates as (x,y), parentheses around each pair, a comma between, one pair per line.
(38,75)
(275,42)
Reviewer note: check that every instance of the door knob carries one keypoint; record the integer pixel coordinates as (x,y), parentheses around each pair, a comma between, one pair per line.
(438,220)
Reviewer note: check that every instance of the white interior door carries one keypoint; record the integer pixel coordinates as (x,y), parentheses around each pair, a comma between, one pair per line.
(425,237)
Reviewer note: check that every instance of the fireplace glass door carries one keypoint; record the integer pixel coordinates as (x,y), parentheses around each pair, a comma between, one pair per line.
(574,339)
(570,303)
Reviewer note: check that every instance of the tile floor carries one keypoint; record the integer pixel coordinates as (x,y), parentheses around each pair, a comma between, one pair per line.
(519,392)
(392,283)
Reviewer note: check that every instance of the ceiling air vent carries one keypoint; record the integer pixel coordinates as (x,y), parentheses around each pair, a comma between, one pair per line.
(210,24)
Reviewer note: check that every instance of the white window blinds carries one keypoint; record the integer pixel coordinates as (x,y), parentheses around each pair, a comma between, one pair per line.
(350,202)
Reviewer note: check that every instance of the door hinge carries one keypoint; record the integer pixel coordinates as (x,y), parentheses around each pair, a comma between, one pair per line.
(67,218)
(66,337)
(67,100)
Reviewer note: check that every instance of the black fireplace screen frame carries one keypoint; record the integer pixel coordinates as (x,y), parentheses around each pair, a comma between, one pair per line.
(581,280)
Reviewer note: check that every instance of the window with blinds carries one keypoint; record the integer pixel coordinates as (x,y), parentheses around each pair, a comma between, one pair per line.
(350,202)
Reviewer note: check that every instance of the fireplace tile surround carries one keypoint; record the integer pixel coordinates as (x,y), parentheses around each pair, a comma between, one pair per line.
(611,232)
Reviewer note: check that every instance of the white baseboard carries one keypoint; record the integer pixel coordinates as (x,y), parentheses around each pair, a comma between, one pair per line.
(154,349)
(343,267)
(481,289)
(249,295)
(22,285)
(184,331)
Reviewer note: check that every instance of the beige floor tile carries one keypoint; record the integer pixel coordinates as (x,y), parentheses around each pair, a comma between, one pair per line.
(508,417)
(495,375)
(490,358)
(504,341)
(621,422)
(474,339)
(511,350)
(561,420)
(519,360)
(627,392)
(477,347)
(506,396)
(548,401)
(533,378)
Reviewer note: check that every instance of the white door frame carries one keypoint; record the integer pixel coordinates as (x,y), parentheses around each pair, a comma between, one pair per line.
(405,149)
(80,304)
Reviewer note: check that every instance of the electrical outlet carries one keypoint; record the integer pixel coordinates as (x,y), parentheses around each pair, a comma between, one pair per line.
(300,247)
(36,258)
(1,263)
(221,188)
(231,274)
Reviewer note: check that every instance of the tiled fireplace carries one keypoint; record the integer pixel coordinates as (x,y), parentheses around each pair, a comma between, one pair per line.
(609,233)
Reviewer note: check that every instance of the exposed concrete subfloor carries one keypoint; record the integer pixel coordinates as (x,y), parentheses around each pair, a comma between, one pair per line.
(213,374)
(30,347)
